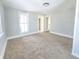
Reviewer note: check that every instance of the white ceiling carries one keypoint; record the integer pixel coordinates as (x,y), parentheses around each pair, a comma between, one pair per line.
(32,5)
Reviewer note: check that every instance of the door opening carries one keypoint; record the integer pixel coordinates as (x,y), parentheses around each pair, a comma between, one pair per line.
(43,23)
(40,24)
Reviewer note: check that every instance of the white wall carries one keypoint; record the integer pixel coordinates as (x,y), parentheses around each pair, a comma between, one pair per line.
(12,22)
(63,18)
(33,22)
(75,50)
(2,36)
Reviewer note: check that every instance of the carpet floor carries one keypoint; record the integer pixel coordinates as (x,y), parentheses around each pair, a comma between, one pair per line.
(39,46)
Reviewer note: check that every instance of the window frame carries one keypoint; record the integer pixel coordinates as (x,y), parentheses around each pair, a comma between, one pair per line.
(27,23)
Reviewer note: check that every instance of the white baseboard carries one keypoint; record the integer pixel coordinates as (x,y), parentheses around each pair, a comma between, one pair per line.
(3,50)
(74,54)
(21,35)
(61,34)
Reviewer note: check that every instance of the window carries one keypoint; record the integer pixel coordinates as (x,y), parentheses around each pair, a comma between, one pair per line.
(23,22)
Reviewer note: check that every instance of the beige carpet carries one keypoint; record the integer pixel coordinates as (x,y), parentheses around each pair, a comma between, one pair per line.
(39,46)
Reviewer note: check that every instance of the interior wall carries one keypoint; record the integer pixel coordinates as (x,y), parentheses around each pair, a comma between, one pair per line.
(33,22)
(2,35)
(75,50)
(63,18)
(12,22)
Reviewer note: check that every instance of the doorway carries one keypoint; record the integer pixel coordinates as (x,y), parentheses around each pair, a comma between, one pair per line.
(43,23)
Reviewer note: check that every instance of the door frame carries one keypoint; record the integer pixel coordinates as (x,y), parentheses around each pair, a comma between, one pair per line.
(43,24)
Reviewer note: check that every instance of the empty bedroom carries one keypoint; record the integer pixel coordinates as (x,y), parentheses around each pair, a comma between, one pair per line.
(39,29)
